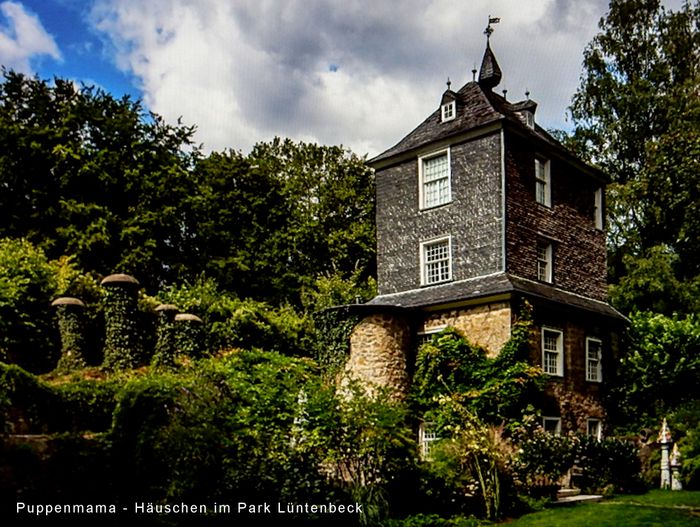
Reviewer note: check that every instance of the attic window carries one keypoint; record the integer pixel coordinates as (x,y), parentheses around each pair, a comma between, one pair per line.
(529,118)
(448,111)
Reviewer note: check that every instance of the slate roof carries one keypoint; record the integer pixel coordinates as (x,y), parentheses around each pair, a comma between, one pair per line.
(490,285)
(476,107)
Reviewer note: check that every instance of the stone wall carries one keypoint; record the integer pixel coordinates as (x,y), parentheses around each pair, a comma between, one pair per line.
(486,325)
(472,218)
(378,354)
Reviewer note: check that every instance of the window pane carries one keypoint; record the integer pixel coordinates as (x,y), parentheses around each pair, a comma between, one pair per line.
(436,259)
(593,360)
(552,352)
(436,181)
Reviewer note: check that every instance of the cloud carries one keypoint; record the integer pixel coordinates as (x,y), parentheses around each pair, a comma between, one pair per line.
(360,72)
(23,38)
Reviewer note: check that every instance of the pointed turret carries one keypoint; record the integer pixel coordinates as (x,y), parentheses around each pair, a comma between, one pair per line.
(490,73)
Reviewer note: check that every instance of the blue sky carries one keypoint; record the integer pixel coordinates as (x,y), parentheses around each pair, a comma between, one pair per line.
(361,73)
(84,53)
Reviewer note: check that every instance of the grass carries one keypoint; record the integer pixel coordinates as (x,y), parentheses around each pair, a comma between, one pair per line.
(656,508)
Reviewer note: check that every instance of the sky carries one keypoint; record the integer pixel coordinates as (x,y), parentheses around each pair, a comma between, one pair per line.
(357,73)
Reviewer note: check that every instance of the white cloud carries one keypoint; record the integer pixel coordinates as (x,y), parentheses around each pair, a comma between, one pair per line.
(245,71)
(23,38)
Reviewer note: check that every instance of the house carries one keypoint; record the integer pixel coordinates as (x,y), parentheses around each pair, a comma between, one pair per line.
(479,209)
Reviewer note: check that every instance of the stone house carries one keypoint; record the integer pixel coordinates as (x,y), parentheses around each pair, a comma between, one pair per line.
(478,209)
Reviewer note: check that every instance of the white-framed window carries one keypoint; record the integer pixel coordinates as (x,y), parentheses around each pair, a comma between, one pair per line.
(594,360)
(448,111)
(552,425)
(544,261)
(434,179)
(426,335)
(426,435)
(598,208)
(529,118)
(552,351)
(436,261)
(594,429)
(543,182)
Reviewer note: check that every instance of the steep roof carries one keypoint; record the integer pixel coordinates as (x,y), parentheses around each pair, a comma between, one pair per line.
(476,107)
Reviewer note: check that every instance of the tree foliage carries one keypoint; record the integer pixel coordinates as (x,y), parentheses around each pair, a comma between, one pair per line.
(85,174)
(637,115)
(661,367)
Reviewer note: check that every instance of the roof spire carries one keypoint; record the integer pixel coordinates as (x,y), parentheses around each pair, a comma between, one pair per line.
(490,73)
(449,83)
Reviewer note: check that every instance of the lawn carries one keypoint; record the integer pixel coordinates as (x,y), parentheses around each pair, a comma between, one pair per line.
(662,508)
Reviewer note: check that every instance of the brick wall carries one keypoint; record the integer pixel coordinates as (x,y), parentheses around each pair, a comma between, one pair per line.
(579,248)
(571,396)
(472,218)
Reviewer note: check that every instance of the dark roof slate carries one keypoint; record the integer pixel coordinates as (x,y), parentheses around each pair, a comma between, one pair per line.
(490,285)
(476,107)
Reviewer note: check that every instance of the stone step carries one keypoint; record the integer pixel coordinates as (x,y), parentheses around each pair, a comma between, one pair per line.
(566,493)
(572,500)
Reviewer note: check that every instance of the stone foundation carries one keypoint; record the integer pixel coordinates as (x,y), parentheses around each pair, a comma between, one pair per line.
(486,325)
(378,347)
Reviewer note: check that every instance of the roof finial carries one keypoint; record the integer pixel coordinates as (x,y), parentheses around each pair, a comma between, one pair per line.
(449,83)
(474,73)
(527,94)
(505,92)
(489,29)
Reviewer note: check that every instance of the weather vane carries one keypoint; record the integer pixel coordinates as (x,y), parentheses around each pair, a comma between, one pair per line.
(489,29)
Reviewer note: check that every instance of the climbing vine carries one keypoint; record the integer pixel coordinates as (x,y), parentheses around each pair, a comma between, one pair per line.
(164,354)
(121,328)
(71,325)
(333,329)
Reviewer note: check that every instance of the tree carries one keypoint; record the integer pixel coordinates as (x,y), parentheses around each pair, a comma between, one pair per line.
(86,174)
(330,195)
(636,114)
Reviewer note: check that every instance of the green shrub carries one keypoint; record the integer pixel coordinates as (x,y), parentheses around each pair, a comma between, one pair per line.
(608,466)
(233,323)
(685,424)
(28,281)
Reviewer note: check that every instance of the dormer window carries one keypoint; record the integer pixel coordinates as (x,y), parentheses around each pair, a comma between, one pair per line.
(529,118)
(448,111)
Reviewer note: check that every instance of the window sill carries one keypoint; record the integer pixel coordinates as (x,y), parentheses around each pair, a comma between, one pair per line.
(435,207)
(438,283)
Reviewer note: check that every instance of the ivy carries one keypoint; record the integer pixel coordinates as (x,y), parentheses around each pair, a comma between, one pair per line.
(495,389)
(71,325)
(333,329)
(166,345)
(121,328)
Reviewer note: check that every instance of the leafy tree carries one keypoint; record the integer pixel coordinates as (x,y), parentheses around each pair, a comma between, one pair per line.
(86,174)
(661,367)
(239,214)
(329,228)
(636,114)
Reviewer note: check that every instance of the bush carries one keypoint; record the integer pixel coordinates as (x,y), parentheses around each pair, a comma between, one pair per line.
(608,466)
(685,423)
(233,323)
(28,281)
